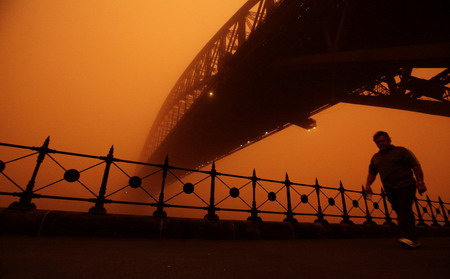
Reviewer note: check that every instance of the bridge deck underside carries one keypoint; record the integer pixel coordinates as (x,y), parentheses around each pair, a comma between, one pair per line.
(287,70)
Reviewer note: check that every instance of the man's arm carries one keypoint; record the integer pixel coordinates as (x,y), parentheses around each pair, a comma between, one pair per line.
(369,181)
(418,173)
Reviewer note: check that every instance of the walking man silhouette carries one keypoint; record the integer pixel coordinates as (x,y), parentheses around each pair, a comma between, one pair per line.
(397,167)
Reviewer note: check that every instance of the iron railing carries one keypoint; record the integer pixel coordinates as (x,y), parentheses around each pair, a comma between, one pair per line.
(208,191)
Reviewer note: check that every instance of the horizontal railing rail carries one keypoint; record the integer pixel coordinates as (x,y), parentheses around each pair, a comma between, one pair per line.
(208,191)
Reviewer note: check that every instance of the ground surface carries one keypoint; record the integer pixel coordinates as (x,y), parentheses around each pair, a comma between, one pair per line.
(51,257)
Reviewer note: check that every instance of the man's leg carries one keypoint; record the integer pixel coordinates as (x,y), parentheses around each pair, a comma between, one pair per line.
(406,219)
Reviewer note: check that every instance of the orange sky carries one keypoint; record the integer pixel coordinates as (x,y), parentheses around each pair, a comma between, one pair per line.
(94,73)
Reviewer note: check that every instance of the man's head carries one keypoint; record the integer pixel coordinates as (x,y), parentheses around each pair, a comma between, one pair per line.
(382,140)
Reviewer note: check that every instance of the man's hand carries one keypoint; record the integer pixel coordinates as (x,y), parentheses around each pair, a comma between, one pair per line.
(368,189)
(369,192)
(421,187)
(418,173)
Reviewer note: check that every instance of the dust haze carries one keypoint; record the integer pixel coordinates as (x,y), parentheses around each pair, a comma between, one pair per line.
(92,74)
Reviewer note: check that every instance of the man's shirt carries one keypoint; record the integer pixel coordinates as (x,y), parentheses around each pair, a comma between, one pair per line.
(394,165)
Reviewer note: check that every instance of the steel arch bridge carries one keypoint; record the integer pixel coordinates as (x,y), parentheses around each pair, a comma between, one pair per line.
(278,62)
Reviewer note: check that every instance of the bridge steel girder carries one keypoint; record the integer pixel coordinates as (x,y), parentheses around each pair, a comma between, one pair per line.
(422,106)
(433,55)
(201,74)
(296,58)
(403,91)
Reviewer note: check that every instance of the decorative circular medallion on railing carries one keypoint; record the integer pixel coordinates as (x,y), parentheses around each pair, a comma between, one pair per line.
(71,175)
(188,188)
(272,196)
(234,192)
(425,210)
(2,166)
(135,181)
(376,206)
(304,198)
(331,201)
(355,203)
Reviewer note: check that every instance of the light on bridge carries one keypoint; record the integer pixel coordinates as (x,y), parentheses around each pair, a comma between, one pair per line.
(211,93)
(306,123)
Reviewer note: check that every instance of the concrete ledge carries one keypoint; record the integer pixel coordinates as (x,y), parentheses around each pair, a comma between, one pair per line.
(62,223)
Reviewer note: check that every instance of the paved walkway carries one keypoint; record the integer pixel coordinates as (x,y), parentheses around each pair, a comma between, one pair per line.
(51,257)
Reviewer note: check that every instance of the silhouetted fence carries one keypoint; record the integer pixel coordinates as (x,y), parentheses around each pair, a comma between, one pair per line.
(207,191)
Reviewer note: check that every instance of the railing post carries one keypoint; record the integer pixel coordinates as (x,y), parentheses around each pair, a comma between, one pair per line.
(433,218)
(345,216)
(368,216)
(24,202)
(444,213)
(289,214)
(320,218)
(419,215)
(388,219)
(159,212)
(212,216)
(99,208)
(254,215)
